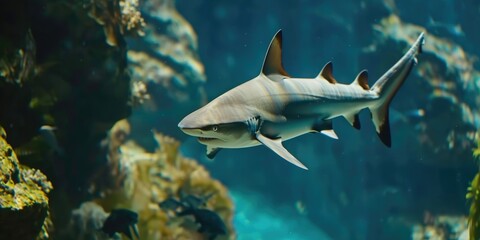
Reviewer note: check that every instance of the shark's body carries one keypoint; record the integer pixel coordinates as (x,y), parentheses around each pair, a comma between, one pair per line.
(274,107)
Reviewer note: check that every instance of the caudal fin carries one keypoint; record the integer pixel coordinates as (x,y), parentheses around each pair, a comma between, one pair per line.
(388,85)
(382,124)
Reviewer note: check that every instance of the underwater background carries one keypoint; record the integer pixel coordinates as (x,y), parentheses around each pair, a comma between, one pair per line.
(91,93)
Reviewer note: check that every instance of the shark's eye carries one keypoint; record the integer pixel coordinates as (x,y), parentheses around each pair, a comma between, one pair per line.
(215,128)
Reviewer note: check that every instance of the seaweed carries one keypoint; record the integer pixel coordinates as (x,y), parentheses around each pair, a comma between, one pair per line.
(473,195)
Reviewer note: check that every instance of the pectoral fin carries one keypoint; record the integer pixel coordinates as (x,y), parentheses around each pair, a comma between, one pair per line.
(276,146)
(212,151)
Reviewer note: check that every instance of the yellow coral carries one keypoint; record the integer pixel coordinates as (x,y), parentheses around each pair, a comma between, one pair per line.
(146,179)
(131,17)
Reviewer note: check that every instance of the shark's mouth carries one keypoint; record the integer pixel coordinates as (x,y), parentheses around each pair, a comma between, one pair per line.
(203,139)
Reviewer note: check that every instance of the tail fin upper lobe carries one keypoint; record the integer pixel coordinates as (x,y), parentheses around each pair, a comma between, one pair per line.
(388,85)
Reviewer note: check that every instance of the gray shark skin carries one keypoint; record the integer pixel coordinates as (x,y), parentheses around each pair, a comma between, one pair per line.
(274,107)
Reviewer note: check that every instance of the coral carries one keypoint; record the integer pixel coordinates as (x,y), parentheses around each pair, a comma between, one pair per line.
(86,222)
(145,179)
(23,198)
(118,18)
(139,93)
(131,17)
(440,228)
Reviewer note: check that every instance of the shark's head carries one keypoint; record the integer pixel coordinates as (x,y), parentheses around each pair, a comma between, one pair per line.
(215,125)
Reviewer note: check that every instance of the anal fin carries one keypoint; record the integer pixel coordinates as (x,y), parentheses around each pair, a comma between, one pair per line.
(329,133)
(354,120)
(276,146)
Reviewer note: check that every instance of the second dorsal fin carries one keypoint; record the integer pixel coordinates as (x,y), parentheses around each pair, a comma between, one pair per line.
(362,80)
(272,64)
(327,73)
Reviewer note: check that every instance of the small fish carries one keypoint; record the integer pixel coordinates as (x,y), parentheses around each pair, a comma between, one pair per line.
(48,134)
(121,221)
(171,204)
(301,208)
(193,201)
(209,221)
(189,204)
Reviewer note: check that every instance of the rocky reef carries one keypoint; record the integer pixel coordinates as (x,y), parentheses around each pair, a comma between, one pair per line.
(118,18)
(70,71)
(447,73)
(166,72)
(23,198)
(73,81)
(67,78)
(442,124)
(441,227)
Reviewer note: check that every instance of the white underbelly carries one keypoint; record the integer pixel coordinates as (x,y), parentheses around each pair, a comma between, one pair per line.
(287,130)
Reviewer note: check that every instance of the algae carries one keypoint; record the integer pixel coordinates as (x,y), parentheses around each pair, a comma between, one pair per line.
(23,198)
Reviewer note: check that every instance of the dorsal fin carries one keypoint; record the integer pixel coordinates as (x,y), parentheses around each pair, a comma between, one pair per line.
(327,73)
(362,80)
(272,64)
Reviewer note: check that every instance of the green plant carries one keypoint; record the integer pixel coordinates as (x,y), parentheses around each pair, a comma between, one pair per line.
(473,195)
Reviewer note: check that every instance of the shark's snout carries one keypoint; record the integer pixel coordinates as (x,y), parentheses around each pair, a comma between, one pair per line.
(188,125)
(188,122)
(196,119)
(188,128)
(182,124)
(192,131)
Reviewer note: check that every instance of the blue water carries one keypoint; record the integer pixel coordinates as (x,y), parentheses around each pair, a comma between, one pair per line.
(257,218)
(356,187)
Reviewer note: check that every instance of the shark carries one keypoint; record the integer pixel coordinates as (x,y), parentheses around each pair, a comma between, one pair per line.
(274,107)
